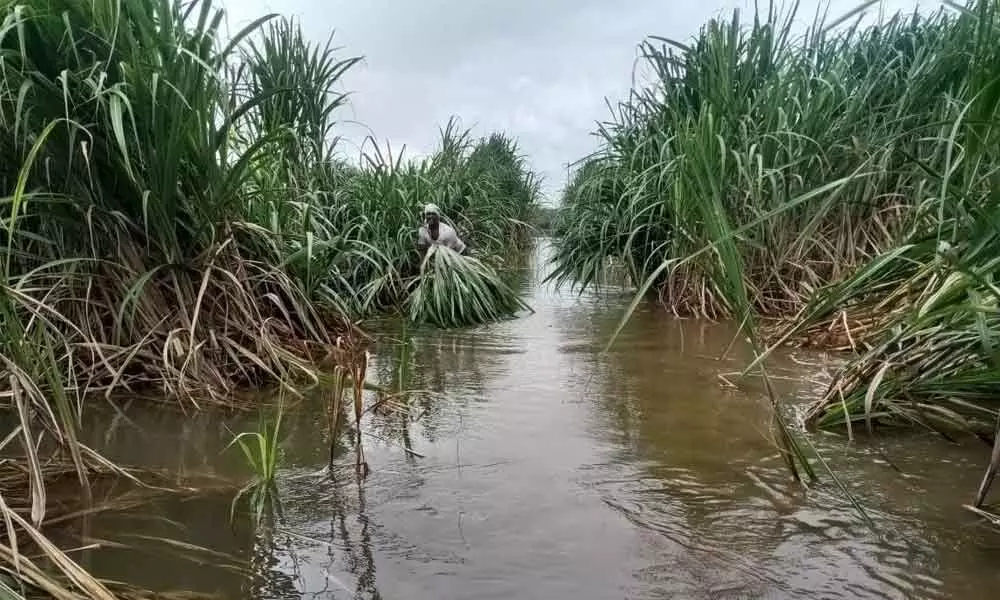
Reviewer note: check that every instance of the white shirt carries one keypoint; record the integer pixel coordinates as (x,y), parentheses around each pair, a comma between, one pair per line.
(446,237)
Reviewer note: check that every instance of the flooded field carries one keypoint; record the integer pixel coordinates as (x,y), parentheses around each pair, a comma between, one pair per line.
(547,470)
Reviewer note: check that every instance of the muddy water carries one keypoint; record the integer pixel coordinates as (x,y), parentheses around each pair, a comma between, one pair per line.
(547,470)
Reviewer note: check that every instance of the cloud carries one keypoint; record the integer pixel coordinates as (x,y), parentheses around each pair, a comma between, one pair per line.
(538,70)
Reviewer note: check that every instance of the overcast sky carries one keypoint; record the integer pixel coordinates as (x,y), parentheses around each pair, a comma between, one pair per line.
(538,69)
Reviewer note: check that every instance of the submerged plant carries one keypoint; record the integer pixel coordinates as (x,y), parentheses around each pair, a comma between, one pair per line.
(922,315)
(176,219)
(350,370)
(260,451)
(845,180)
(759,167)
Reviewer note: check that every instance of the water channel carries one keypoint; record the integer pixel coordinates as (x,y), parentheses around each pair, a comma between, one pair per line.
(551,471)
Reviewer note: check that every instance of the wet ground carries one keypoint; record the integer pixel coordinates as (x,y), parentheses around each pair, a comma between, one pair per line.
(550,471)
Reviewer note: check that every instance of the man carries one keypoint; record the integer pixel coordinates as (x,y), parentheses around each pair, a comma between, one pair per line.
(433,231)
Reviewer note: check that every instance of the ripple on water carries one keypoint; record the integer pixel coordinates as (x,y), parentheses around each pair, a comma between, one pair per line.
(740,539)
(551,470)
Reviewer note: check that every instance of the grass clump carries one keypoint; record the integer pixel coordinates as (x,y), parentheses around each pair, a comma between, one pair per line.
(844,180)
(130,261)
(798,143)
(456,291)
(922,316)
(260,450)
(176,218)
(128,238)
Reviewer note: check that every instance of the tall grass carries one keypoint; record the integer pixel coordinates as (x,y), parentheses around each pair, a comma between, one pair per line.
(128,263)
(739,121)
(843,180)
(261,450)
(176,218)
(924,313)
(482,186)
(126,234)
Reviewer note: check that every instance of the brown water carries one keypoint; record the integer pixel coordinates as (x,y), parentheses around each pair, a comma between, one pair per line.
(550,471)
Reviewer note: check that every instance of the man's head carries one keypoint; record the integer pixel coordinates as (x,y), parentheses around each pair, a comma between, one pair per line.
(432,214)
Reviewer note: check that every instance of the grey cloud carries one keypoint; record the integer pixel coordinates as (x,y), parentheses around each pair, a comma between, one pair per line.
(539,70)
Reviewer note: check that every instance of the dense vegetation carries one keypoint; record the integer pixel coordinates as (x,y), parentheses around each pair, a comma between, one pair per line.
(844,180)
(483,187)
(177,218)
(544,219)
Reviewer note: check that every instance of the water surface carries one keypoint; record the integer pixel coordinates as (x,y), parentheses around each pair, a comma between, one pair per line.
(548,470)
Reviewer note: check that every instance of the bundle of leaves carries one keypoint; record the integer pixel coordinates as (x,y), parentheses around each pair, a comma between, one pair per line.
(457,291)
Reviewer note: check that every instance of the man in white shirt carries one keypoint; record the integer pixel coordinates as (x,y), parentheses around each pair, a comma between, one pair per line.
(433,231)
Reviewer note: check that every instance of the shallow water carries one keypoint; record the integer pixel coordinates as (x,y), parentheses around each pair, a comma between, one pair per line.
(550,471)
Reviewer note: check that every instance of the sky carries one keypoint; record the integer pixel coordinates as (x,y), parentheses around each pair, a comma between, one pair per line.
(542,71)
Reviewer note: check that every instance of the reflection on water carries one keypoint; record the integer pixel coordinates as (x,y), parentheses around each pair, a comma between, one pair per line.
(549,470)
